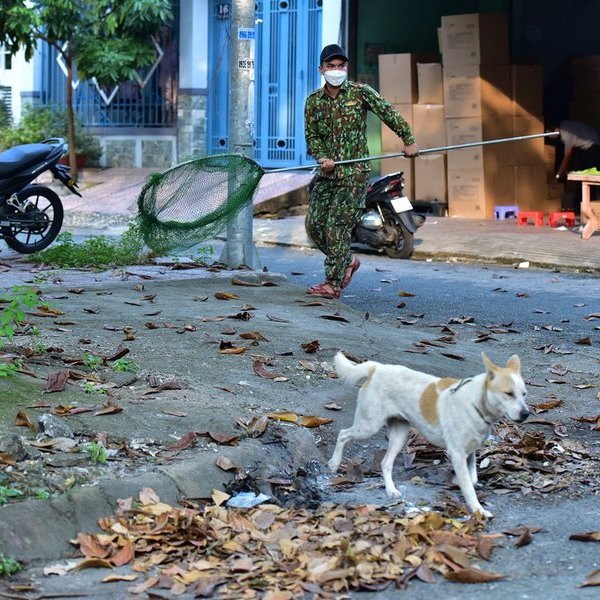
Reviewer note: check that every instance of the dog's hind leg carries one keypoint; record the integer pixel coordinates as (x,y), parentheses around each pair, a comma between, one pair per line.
(397,434)
(463,478)
(360,430)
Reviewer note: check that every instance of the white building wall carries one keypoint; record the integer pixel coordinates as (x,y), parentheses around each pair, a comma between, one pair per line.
(193,44)
(332,23)
(20,78)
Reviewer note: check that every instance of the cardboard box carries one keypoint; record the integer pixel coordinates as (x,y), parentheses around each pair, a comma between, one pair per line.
(430,85)
(474,129)
(531,187)
(484,158)
(430,178)
(406,165)
(473,194)
(440,39)
(429,125)
(474,39)
(390,142)
(527,90)
(474,91)
(531,151)
(398,76)
(470,130)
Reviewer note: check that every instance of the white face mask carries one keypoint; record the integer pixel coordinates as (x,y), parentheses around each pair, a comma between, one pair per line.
(335,78)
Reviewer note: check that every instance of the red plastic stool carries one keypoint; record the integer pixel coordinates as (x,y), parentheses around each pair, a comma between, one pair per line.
(560,215)
(536,215)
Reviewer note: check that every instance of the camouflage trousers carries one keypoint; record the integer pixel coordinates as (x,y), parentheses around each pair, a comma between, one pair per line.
(334,208)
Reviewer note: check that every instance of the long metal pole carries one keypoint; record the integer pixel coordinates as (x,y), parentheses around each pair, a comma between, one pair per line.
(239,248)
(421,152)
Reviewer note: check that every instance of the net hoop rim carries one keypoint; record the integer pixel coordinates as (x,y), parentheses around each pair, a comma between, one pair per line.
(223,155)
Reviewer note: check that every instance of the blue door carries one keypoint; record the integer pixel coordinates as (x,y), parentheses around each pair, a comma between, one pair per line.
(288,38)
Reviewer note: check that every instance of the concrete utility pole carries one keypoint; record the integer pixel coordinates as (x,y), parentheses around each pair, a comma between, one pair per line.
(239,248)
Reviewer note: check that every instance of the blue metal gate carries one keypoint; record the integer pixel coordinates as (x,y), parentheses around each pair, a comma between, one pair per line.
(218,79)
(288,37)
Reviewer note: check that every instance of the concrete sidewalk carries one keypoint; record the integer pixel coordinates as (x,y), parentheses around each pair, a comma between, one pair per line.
(109,197)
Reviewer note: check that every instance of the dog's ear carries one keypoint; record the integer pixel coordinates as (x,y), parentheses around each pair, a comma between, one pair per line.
(514,363)
(490,367)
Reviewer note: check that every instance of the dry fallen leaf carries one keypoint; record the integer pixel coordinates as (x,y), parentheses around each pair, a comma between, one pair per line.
(590,536)
(592,579)
(255,426)
(226,464)
(311,347)
(473,575)
(226,296)
(259,368)
(56,381)
(22,420)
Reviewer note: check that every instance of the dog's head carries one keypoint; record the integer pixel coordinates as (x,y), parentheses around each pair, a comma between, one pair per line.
(505,388)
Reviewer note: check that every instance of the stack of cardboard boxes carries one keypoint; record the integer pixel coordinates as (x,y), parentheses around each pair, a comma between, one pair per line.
(474,95)
(398,85)
(487,98)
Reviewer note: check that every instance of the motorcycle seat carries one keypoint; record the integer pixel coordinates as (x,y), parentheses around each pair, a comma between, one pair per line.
(18,158)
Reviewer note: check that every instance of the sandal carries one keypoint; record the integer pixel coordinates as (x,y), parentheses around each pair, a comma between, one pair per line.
(324,290)
(350,270)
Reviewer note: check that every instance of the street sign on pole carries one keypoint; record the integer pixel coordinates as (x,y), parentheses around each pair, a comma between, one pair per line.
(239,248)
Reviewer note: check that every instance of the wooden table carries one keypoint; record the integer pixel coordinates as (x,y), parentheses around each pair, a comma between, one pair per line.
(587,181)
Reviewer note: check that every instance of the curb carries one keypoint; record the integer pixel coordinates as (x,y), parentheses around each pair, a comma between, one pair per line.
(40,530)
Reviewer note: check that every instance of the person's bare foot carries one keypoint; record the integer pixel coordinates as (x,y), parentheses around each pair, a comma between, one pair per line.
(591,225)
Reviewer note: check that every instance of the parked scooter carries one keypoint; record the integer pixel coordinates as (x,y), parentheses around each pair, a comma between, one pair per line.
(31,215)
(388,222)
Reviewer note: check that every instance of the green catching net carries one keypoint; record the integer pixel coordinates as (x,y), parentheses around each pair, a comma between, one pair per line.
(195,200)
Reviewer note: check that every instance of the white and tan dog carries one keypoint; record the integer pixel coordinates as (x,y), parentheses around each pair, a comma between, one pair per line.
(456,415)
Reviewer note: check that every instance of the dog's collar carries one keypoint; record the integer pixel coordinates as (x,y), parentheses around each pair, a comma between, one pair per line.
(490,423)
(479,412)
(459,385)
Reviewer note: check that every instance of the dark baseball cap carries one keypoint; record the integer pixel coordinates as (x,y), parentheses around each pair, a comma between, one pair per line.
(331,51)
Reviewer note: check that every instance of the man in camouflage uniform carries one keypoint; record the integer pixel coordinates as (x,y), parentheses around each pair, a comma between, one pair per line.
(336,129)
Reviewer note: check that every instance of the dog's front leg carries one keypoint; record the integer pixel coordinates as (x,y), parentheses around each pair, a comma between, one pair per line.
(472,463)
(463,478)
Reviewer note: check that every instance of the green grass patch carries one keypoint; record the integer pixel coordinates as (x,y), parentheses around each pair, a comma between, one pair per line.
(96,251)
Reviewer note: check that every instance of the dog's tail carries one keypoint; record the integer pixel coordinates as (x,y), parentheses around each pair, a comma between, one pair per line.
(351,372)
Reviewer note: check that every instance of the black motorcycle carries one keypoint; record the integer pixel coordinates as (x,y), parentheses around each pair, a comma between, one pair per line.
(31,215)
(388,222)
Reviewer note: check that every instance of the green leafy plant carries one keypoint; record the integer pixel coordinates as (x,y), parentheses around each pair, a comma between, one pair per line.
(97,251)
(92,388)
(13,314)
(9,369)
(5,118)
(91,361)
(42,494)
(8,566)
(8,492)
(97,452)
(122,365)
(42,122)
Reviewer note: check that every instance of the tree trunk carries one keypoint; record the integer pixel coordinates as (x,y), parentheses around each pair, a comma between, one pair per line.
(71,117)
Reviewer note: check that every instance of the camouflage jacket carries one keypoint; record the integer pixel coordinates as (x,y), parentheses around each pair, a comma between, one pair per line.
(336,128)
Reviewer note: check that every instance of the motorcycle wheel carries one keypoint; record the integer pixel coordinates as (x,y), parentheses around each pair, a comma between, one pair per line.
(41,221)
(404,246)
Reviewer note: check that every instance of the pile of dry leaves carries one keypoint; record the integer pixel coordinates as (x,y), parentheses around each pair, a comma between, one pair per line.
(279,553)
